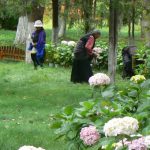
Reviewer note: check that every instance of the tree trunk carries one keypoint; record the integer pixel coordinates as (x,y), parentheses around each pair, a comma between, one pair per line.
(87,9)
(55,22)
(62,27)
(94,9)
(146,22)
(62,19)
(25,23)
(30,29)
(21,33)
(133,19)
(142,26)
(129,29)
(131,37)
(113,37)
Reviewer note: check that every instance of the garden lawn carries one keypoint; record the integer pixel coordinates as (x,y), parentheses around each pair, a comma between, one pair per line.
(28,98)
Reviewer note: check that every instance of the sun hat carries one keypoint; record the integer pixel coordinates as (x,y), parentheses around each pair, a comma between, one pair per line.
(38,23)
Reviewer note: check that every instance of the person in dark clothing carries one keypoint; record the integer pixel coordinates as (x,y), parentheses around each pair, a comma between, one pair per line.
(127,55)
(83,54)
(37,46)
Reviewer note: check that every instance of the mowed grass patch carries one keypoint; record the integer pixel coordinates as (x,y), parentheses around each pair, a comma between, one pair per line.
(28,98)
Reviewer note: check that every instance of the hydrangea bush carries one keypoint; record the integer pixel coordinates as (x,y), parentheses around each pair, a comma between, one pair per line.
(64,52)
(103,121)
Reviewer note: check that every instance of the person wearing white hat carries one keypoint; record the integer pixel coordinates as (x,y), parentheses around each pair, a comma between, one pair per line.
(37,46)
(38,23)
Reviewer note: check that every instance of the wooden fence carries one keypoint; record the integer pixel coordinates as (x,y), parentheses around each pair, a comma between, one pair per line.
(12,53)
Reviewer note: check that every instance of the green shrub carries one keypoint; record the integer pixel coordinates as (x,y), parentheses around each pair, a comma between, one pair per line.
(111,103)
(62,54)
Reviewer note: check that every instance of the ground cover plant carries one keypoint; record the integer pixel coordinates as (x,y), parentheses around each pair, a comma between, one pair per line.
(117,118)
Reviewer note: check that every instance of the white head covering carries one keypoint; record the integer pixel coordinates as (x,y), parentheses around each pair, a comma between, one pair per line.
(38,23)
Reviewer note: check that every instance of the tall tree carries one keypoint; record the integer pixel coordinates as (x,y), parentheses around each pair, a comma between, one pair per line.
(146,21)
(55,21)
(31,12)
(63,17)
(132,23)
(113,37)
(87,9)
(94,8)
(132,11)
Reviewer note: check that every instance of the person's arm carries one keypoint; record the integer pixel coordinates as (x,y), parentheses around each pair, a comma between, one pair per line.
(89,45)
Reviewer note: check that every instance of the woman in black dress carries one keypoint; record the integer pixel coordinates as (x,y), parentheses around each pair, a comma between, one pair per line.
(83,54)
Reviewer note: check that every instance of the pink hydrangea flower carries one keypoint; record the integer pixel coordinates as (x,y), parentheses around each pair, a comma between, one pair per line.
(137,144)
(99,79)
(89,135)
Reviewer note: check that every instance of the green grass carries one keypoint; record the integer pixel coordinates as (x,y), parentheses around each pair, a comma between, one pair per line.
(7,37)
(27,100)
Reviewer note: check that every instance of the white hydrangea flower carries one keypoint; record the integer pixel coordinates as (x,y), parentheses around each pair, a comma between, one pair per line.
(72,43)
(98,50)
(99,79)
(147,141)
(25,147)
(117,126)
(64,42)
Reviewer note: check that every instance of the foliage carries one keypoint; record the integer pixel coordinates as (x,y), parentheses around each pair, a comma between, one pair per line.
(111,102)
(9,23)
(11,10)
(62,54)
(143,62)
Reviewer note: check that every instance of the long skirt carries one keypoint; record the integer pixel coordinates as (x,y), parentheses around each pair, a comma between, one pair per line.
(128,71)
(81,71)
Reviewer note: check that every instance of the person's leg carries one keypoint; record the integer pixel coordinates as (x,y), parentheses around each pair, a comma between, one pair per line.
(75,72)
(40,60)
(84,71)
(129,69)
(33,57)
